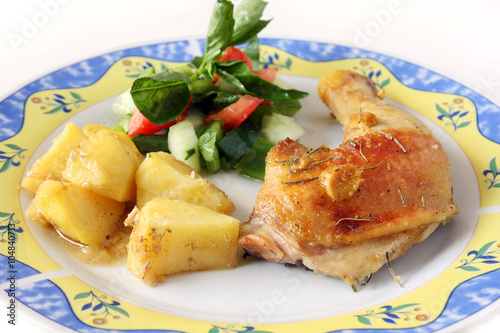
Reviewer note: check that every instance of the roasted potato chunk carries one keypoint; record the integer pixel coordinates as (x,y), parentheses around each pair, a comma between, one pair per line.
(171,236)
(162,175)
(51,164)
(105,163)
(79,214)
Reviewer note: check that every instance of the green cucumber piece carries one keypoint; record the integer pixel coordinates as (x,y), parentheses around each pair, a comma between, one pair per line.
(183,144)
(277,127)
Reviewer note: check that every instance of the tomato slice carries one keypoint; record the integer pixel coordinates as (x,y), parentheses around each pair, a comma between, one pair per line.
(233,53)
(268,74)
(233,115)
(139,124)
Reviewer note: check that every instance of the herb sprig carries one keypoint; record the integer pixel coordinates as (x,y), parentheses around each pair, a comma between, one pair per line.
(162,96)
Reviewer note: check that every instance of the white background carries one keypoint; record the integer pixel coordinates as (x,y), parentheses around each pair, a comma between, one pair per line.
(459,39)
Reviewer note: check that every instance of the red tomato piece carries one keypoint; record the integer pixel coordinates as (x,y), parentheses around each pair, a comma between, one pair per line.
(233,115)
(139,124)
(233,53)
(268,74)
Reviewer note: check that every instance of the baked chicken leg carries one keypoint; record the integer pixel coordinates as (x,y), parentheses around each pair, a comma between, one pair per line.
(345,212)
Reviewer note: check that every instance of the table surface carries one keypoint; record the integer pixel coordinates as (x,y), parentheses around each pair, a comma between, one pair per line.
(459,39)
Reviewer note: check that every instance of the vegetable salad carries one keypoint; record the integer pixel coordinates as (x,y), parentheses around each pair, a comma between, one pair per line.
(219,111)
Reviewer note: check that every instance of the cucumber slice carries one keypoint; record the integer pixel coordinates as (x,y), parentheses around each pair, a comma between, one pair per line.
(183,144)
(214,126)
(277,127)
(287,108)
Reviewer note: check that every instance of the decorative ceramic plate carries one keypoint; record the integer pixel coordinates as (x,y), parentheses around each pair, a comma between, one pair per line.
(450,277)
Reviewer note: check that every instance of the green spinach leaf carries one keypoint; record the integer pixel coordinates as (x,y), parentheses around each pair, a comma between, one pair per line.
(247,82)
(247,23)
(219,36)
(161,97)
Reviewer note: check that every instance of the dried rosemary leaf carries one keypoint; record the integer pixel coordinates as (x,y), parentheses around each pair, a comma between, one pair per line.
(361,152)
(298,181)
(388,262)
(373,167)
(390,137)
(353,219)
(401,195)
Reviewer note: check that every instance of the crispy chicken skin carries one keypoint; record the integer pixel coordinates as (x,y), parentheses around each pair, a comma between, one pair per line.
(343,212)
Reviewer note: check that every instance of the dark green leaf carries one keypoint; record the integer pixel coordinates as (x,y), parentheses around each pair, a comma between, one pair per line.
(247,21)
(252,51)
(253,164)
(209,151)
(219,36)
(4,214)
(241,76)
(151,143)
(237,142)
(233,81)
(219,100)
(161,97)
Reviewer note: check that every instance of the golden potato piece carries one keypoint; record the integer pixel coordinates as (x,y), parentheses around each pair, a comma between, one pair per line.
(105,163)
(51,164)
(79,214)
(162,175)
(171,236)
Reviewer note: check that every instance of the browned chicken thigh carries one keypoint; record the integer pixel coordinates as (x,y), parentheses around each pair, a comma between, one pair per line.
(345,212)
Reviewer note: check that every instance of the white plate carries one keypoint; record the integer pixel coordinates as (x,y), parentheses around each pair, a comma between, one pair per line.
(258,294)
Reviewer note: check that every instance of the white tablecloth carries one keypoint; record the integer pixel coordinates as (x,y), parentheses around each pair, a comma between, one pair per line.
(459,39)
